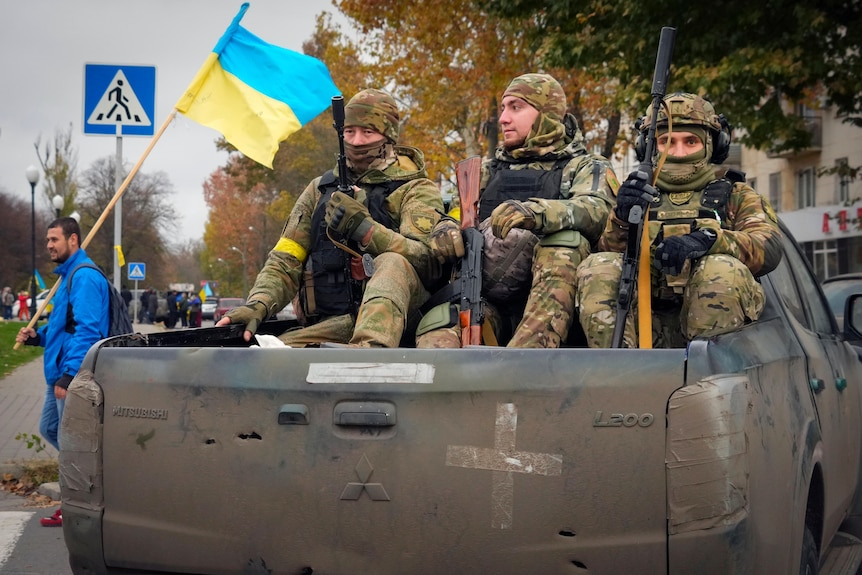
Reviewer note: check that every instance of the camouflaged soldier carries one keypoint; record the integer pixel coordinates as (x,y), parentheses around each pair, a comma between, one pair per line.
(358,263)
(542,192)
(709,238)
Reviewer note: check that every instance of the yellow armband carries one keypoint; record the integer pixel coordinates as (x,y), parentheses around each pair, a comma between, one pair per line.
(291,247)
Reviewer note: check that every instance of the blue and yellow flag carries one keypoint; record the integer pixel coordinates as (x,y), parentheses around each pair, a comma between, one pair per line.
(39,281)
(256,94)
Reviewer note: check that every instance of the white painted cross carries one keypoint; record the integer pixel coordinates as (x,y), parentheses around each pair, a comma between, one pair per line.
(503,460)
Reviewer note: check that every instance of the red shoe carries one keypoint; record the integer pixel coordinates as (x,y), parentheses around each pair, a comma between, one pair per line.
(55,520)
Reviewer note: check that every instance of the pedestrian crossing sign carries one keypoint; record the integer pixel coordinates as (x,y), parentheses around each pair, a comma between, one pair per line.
(137,271)
(119,100)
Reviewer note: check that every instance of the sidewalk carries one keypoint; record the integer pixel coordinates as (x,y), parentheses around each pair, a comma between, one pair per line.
(22,394)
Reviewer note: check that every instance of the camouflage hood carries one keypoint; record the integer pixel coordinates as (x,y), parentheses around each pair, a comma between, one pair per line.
(409,164)
(548,140)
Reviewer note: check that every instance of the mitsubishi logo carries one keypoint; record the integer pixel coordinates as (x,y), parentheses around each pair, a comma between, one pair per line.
(503,460)
(352,491)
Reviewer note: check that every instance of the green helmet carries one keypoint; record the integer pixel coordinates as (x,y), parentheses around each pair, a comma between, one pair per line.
(374,109)
(541,91)
(686,110)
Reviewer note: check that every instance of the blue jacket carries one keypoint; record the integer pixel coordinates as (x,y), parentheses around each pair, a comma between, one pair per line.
(65,351)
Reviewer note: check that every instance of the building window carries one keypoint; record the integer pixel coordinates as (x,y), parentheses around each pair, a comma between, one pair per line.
(842,181)
(775,191)
(753,183)
(805,188)
(823,257)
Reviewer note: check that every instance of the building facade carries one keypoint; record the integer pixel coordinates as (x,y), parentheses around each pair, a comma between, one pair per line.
(821,205)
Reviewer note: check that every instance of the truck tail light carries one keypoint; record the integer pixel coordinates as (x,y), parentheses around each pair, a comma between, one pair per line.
(81,443)
(707,453)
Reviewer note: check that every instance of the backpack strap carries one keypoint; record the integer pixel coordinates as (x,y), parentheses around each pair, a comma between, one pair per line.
(70,315)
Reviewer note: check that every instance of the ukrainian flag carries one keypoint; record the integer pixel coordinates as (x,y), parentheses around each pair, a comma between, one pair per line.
(256,94)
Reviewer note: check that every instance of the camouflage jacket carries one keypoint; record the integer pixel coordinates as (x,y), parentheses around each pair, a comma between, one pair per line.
(415,207)
(749,232)
(587,186)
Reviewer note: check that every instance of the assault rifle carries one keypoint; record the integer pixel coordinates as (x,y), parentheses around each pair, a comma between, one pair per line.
(637,218)
(364,261)
(467,173)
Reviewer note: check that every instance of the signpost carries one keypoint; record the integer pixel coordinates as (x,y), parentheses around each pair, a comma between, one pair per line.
(137,272)
(119,100)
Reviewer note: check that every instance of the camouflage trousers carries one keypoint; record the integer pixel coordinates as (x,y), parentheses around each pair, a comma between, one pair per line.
(720,295)
(550,305)
(390,294)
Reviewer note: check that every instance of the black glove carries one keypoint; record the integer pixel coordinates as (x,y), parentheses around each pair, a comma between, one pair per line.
(635,191)
(670,255)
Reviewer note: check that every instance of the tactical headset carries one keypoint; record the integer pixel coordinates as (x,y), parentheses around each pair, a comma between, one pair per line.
(720,139)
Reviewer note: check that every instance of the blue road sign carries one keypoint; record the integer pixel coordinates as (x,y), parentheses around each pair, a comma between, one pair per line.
(123,96)
(137,270)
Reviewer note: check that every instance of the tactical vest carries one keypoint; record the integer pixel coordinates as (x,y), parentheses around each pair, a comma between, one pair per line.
(684,208)
(709,203)
(335,292)
(507,184)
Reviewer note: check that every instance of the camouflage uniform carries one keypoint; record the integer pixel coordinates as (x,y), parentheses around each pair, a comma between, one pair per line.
(402,258)
(721,292)
(570,221)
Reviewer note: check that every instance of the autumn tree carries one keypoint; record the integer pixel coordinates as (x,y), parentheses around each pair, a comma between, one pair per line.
(249,203)
(450,69)
(15,237)
(757,61)
(148,218)
(181,262)
(59,161)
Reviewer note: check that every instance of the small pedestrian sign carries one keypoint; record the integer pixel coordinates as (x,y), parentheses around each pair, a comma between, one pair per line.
(137,271)
(119,100)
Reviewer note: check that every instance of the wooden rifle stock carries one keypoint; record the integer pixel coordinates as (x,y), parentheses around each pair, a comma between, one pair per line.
(467,174)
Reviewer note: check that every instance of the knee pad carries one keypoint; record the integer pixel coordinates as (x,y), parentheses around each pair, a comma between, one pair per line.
(440,316)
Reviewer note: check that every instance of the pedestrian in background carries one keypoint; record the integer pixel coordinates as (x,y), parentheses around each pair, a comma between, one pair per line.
(195,311)
(80,318)
(23,308)
(8,300)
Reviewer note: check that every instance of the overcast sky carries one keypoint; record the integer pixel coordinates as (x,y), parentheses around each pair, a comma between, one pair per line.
(44,45)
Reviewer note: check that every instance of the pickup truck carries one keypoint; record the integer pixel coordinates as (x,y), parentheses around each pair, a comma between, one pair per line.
(192,452)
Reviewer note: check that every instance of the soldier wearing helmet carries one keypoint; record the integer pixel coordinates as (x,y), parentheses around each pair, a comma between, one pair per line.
(355,262)
(544,201)
(709,237)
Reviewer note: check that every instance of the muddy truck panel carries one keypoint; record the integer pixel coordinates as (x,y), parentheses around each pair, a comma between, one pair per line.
(323,460)
(189,452)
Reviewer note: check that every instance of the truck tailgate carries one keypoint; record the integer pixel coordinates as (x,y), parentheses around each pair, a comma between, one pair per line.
(343,461)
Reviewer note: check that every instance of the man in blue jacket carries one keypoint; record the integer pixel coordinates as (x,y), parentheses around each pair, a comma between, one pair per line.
(69,333)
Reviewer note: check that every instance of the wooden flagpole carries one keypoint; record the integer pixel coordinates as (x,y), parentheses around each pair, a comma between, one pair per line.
(106,212)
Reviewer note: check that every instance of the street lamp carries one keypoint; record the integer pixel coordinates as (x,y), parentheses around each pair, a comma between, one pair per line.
(58,202)
(32,173)
(75,216)
(244,276)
